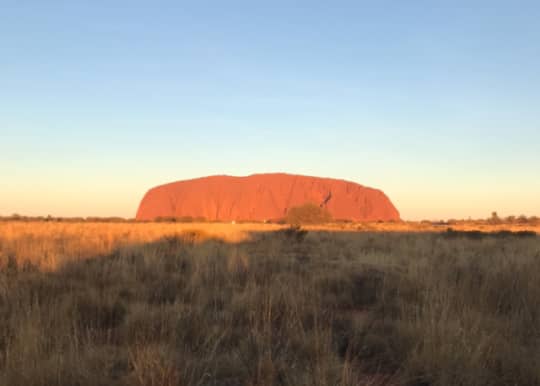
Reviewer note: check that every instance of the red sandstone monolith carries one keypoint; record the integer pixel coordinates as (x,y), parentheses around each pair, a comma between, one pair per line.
(261,197)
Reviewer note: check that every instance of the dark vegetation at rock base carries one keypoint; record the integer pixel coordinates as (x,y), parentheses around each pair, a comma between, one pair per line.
(308,213)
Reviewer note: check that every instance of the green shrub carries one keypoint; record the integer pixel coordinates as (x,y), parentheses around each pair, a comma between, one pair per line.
(308,213)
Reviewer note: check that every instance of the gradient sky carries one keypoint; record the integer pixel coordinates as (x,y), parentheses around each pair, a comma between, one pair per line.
(435,102)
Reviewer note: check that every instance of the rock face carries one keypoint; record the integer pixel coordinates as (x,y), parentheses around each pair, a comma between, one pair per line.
(261,197)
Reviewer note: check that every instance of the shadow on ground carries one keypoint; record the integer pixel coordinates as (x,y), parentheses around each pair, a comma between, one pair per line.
(289,307)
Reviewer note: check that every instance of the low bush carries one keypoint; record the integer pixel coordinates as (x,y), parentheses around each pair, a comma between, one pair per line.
(308,214)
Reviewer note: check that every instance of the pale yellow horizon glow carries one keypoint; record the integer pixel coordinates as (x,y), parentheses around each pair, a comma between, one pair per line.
(122,200)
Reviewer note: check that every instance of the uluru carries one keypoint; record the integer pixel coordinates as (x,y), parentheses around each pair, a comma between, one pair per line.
(261,197)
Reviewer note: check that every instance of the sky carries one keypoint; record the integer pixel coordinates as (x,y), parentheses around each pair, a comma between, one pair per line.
(437,103)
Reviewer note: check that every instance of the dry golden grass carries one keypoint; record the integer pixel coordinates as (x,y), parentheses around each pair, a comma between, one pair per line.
(412,226)
(256,304)
(49,244)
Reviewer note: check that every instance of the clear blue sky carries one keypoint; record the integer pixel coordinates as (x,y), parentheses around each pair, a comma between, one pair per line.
(435,102)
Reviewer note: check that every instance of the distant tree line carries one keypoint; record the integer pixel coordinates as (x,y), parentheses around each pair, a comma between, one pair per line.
(309,213)
(522,219)
(49,218)
(494,219)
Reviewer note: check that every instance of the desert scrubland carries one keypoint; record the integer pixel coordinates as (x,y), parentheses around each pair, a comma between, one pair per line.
(267,304)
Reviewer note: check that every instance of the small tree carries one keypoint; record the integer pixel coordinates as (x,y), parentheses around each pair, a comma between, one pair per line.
(308,213)
(495,219)
(522,219)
